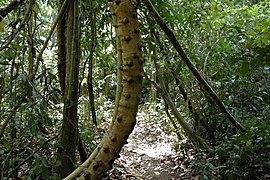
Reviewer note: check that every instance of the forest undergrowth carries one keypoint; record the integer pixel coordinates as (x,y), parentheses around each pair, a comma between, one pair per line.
(153,150)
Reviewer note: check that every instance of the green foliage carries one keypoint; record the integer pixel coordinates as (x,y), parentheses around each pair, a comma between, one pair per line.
(2,26)
(242,156)
(229,42)
(40,169)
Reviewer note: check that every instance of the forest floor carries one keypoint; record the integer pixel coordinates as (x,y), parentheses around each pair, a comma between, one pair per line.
(150,154)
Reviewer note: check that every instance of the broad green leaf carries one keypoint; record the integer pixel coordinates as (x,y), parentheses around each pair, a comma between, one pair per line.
(16,46)
(213,6)
(36,8)
(2,26)
(244,67)
(32,125)
(10,53)
(248,143)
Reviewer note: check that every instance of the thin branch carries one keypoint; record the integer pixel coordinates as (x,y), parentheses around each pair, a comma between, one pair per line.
(172,121)
(180,119)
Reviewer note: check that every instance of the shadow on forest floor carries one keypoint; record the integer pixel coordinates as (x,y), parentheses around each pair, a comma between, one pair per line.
(150,154)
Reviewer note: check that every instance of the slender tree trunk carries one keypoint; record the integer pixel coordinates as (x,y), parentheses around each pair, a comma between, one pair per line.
(61,41)
(153,89)
(177,80)
(70,120)
(31,49)
(61,58)
(90,68)
(197,140)
(177,130)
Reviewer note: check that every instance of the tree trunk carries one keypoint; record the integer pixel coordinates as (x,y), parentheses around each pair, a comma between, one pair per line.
(187,128)
(114,139)
(61,52)
(90,66)
(70,121)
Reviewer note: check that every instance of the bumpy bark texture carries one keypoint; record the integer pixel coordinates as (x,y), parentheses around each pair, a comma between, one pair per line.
(116,137)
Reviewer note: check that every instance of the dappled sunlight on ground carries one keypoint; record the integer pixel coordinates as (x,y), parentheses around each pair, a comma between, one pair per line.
(147,138)
(149,154)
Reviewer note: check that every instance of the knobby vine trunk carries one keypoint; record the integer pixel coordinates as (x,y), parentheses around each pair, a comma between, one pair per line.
(114,139)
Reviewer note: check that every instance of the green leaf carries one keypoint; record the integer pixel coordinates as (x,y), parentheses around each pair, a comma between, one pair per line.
(45,172)
(210,165)
(244,67)
(2,26)
(36,8)
(2,152)
(32,125)
(16,46)
(213,5)
(248,143)
(10,53)
(204,177)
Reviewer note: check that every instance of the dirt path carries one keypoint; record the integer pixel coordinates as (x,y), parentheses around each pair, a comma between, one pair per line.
(149,154)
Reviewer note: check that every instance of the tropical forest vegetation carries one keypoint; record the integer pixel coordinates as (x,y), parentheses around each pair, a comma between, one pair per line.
(134,89)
